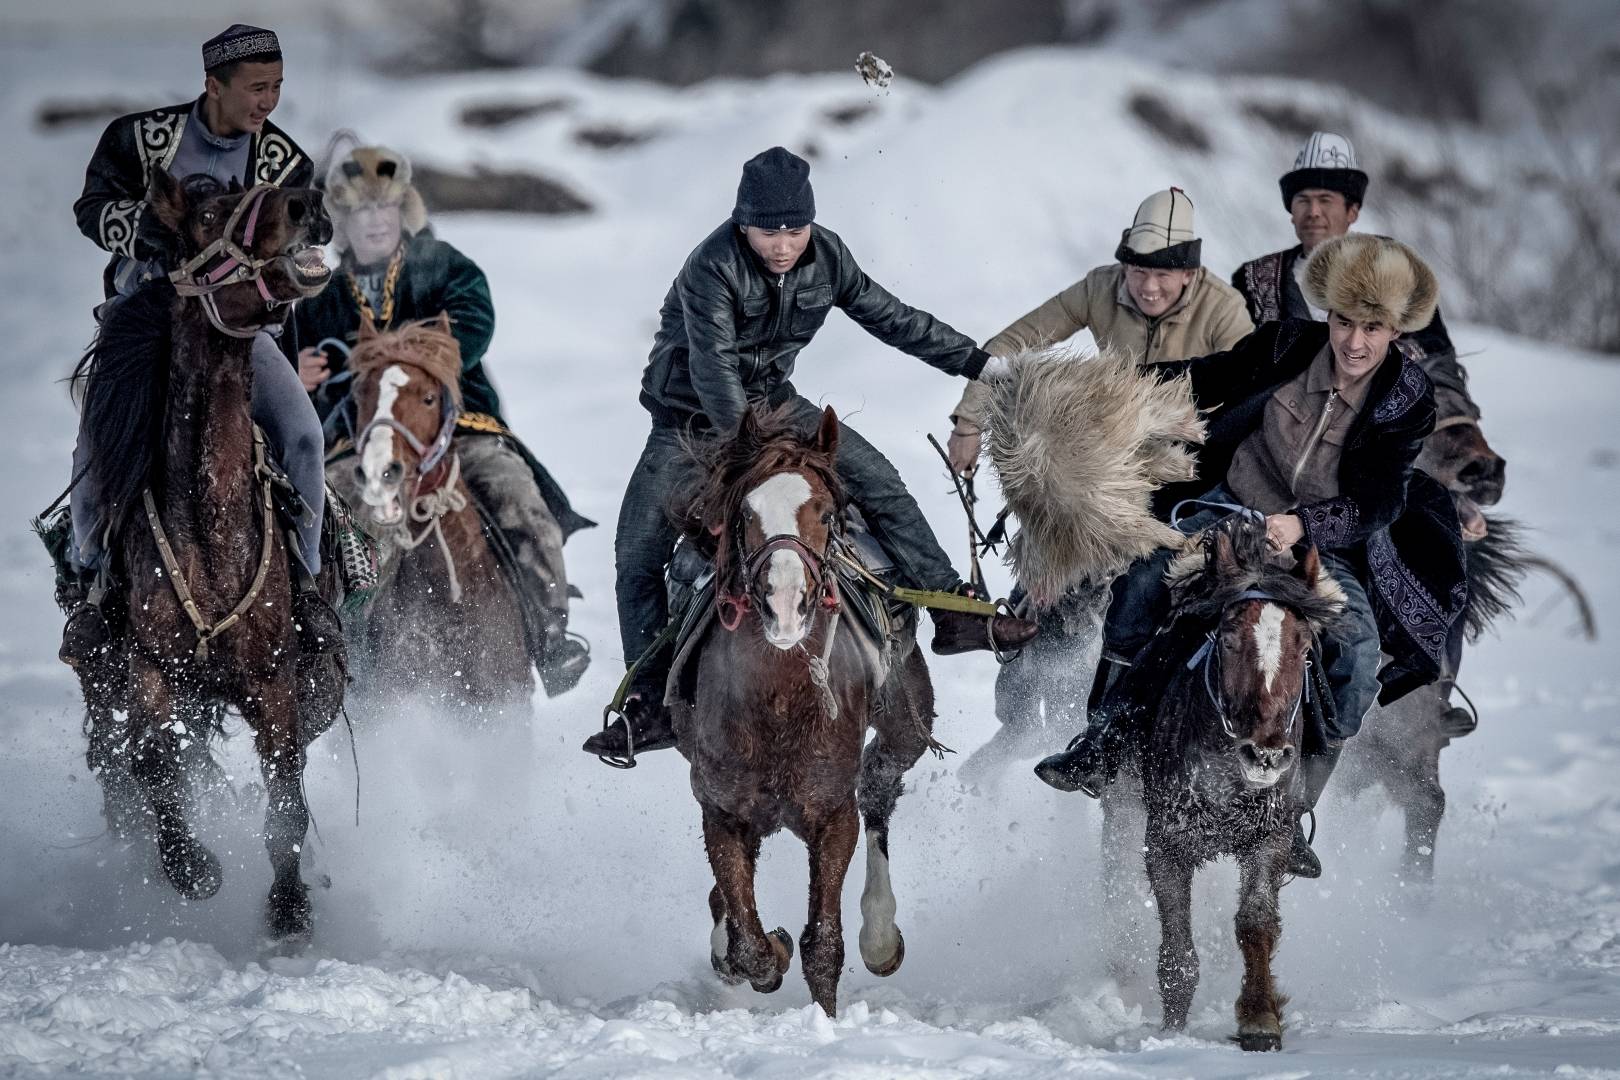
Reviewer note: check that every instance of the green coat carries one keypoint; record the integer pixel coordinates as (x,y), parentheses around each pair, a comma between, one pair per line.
(436,277)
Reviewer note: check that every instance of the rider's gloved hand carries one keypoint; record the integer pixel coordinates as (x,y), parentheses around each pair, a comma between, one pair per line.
(963,448)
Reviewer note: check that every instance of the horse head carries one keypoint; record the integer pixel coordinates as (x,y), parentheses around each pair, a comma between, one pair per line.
(407,395)
(1457,455)
(1254,665)
(765,506)
(250,252)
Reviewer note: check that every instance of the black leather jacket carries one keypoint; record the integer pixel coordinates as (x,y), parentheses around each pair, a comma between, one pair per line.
(730,330)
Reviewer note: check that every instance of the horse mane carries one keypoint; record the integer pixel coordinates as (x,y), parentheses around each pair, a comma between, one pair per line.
(424,344)
(1496,565)
(1200,589)
(713,476)
(122,384)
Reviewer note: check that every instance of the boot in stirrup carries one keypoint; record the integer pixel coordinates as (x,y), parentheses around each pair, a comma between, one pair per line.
(1314,770)
(962,631)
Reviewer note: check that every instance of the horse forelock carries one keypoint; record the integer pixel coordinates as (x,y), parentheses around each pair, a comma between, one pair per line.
(1203,589)
(421,345)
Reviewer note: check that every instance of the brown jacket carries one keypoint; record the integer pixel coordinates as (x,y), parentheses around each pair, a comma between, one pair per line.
(1210,317)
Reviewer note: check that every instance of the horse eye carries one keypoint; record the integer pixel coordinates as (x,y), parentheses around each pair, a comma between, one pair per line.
(429,399)
(209,217)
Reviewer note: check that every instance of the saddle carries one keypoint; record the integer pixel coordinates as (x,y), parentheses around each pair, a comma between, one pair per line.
(877,619)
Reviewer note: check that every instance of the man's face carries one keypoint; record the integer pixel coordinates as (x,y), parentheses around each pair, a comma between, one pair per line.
(1358,348)
(244,101)
(778,249)
(1320,215)
(373,232)
(1156,291)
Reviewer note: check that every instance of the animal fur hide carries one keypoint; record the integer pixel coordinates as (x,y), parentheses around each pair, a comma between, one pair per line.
(1079,444)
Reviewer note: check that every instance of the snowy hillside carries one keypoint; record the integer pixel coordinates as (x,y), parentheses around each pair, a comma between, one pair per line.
(507,906)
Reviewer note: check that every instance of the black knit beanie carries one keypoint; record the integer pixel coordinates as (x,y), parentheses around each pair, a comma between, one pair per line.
(775,192)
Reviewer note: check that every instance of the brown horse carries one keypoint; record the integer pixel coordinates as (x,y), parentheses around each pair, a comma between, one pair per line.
(1216,762)
(445,618)
(783,690)
(172,453)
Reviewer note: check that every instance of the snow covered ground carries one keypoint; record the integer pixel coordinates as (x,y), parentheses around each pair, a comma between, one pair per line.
(507,906)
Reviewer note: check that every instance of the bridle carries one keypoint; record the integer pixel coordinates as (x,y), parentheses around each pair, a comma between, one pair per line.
(225,262)
(430,455)
(1208,657)
(731,606)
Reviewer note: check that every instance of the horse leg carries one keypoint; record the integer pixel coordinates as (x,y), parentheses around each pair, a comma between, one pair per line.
(1171,879)
(1259,926)
(1124,891)
(903,728)
(190,867)
(109,741)
(272,711)
(832,845)
(750,953)
(1423,803)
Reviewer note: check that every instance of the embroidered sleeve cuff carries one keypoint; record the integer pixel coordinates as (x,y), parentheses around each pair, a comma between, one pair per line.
(119,220)
(1331,523)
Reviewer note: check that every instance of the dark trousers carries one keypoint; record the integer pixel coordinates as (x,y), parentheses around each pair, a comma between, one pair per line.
(1350,654)
(646,538)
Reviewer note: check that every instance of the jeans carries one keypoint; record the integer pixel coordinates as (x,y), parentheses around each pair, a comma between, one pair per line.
(646,537)
(1349,648)
(293,431)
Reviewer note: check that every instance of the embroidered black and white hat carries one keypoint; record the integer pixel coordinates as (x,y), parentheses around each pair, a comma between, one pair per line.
(1326,161)
(240,42)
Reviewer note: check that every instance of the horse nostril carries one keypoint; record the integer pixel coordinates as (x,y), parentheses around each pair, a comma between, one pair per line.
(394,471)
(360,472)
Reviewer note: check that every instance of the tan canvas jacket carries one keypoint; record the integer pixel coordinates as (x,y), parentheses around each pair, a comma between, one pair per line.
(1210,317)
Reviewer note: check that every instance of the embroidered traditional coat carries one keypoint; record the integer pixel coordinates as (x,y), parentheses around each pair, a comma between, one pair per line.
(114,199)
(1394,522)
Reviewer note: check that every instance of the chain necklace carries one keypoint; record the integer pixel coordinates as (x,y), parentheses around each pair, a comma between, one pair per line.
(390,280)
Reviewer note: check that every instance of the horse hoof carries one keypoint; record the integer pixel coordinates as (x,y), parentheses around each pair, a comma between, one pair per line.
(782,945)
(892,965)
(1259,1040)
(724,970)
(289,914)
(191,868)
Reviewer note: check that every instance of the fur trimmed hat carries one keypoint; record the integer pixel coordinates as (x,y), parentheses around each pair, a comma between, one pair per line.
(1369,279)
(367,175)
(1161,235)
(1326,161)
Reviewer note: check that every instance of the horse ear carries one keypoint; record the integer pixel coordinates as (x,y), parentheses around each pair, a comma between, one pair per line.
(368,329)
(234,187)
(166,198)
(1225,555)
(1309,568)
(827,435)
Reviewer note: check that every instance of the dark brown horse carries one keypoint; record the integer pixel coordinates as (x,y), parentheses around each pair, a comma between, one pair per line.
(445,618)
(1216,761)
(172,453)
(784,688)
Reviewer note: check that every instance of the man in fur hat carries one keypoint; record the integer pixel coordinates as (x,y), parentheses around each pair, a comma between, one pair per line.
(747,300)
(224,134)
(393,271)
(1155,300)
(1318,426)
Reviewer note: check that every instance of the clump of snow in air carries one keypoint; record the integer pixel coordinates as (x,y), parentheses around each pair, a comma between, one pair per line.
(874,70)
(507,906)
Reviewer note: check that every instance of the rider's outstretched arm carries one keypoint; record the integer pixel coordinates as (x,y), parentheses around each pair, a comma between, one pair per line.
(909,329)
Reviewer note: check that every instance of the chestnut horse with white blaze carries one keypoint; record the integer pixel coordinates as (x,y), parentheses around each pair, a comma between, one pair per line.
(784,687)
(445,618)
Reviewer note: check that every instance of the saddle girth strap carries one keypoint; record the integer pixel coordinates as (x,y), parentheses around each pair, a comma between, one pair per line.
(171,565)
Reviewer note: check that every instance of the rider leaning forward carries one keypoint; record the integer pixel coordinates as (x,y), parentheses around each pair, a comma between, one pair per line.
(393,271)
(749,298)
(1317,425)
(224,135)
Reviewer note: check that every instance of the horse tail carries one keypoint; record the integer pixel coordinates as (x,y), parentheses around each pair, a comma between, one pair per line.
(122,383)
(1496,566)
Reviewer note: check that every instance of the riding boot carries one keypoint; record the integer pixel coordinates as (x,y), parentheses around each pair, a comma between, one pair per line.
(86,631)
(1092,759)
(1314,771)
(645,726)
(564,663)
(317,623)
(961,631)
